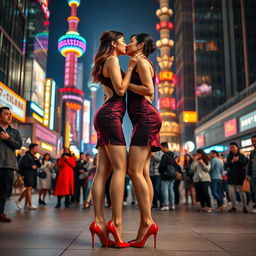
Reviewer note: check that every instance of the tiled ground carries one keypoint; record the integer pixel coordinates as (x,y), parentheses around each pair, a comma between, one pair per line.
(185,232)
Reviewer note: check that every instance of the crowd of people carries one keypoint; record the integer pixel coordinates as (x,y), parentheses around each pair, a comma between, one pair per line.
(67,177)
(201,180)
(64,177)
(206,178)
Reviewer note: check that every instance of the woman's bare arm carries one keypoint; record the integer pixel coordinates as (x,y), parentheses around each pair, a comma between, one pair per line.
(120,84)
(147,87)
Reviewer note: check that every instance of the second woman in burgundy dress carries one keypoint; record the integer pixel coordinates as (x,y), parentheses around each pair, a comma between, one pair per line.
(111,142)
(145,136)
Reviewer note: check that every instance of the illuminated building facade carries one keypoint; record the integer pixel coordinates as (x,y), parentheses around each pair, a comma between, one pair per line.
(216,71)
(167,78)
(71,46)
(49,103)
(36,50)
(185,89)
(13,21)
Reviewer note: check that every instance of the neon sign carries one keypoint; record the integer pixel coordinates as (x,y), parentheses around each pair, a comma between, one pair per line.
(230,127)
(167,75)
(169,103)
(189,116)
(200,140)
(44,6)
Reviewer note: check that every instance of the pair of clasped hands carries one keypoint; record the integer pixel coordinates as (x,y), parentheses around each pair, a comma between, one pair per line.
(4,135)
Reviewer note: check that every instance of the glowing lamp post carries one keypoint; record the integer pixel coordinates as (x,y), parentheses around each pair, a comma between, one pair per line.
(93,87)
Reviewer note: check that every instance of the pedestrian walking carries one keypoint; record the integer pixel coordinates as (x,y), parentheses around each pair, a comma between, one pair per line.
(29,164)
(45,183)
(188,180)
(201,167)
(216,171)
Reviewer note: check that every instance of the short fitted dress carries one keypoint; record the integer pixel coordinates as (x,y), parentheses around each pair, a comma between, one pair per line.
(145,118)
(109,118)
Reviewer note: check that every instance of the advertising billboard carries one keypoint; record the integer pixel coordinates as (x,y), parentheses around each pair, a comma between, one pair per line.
(17,105)
(38,87)
(230,127)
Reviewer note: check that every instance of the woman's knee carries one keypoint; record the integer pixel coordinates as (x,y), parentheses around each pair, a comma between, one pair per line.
(134,173)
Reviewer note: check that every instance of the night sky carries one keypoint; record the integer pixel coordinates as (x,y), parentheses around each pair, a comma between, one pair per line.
(97,16)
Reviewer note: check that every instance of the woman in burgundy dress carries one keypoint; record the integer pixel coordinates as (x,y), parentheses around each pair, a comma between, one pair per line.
(111,143)
(145,136)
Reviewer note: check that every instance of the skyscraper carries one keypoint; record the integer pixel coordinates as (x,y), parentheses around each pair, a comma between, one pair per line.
(12,35)
(185,89)
(221,71)
(71,46)
(13,20)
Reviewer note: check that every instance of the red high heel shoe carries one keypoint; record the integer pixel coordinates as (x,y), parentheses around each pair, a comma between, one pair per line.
(153,230)
(95,229)
(112,229)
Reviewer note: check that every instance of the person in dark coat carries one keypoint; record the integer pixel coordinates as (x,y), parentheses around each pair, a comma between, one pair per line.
(10,140)
(177,182)
(29,165)
(167,180)
(80,175)
(236,164)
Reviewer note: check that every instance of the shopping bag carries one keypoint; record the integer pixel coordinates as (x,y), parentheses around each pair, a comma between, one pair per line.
(246,186)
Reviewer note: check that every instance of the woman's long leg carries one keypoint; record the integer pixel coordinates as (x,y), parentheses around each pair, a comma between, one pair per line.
(117,158)
(137,158)
(98,187)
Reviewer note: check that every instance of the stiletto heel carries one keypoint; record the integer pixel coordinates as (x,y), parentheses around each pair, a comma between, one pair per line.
(92,233)
(95,229)
(153,230)
(112,229)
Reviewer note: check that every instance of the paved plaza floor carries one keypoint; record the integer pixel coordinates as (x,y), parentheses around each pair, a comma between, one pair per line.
(185,232)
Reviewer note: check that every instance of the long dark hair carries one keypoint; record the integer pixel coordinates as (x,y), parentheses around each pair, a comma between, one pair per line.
(205,157)
(187,163)
(105,50)
(46,154)
(149,46)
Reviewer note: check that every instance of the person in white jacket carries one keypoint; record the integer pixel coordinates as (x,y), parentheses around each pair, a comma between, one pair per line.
(201,167)
(45,183)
